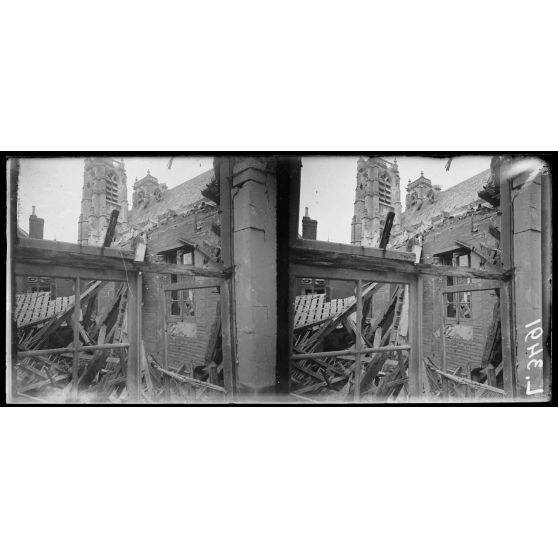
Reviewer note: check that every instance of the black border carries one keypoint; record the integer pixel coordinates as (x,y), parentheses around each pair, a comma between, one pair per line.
(550,157)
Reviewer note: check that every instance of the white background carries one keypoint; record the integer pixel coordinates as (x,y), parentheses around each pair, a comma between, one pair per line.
(278,482)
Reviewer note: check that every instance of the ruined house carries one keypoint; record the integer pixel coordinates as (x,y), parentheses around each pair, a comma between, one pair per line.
(455,228)
(182,227)
(179,226)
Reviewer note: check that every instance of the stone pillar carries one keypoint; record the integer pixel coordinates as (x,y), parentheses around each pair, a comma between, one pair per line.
(526,250)
(255,275)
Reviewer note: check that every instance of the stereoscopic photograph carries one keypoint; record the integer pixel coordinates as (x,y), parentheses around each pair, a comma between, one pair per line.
(306,279)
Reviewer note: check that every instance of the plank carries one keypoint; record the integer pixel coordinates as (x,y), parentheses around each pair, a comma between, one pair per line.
(133,321)
(486,286)
(185,379)
(175,269)
(214,335)
(76,326)
(359,342)
(467,382)
(491,335)
(352,250)
(196,282)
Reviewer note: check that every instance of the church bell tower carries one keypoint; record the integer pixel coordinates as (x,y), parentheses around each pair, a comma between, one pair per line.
(104,189)
(377,193)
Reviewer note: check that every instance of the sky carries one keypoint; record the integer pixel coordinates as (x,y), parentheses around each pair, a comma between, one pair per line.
(328,186)
(54,186)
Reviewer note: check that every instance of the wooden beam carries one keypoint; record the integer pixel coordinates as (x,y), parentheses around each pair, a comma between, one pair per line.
(351,250)
(358,343)
(175,269)
(133,368)
(93,259)
(487,286)
(76,326)
(188,380)
(415,335)
(507,291)
(229,366)
(508,350)
(51,255)
(451,271)
(71,248)
(420,336)
(445,386)
(348,266)
(137,342)
(70,350)
(377,274)
(291,320)
(109,236)
(46,269)
(224,171)
(194,283)
(466,382)
(344,352)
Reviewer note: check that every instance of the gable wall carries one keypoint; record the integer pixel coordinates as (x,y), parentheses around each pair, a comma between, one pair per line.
(463,344)
(187,344)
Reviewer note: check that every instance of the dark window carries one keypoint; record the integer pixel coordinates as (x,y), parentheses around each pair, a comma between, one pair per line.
(459,306)
(180,304)
(184,256)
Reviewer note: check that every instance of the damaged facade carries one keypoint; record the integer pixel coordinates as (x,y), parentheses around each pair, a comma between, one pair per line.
(456,228)
(179,226)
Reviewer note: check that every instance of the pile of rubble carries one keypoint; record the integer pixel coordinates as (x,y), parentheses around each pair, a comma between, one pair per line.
(101,373)
(320,377)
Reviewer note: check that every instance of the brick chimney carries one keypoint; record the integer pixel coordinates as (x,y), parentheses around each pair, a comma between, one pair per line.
(36,226)
(309,227)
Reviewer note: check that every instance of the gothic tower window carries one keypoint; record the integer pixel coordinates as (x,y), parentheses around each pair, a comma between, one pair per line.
(385,189)
(430,196)
(112,187)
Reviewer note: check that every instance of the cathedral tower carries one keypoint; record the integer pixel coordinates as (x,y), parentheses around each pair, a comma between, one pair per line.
(420,191)
(104,189)
(377,192)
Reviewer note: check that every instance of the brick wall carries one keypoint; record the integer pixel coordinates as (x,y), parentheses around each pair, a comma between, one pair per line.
(460,349)
(184,343)
(192,346)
